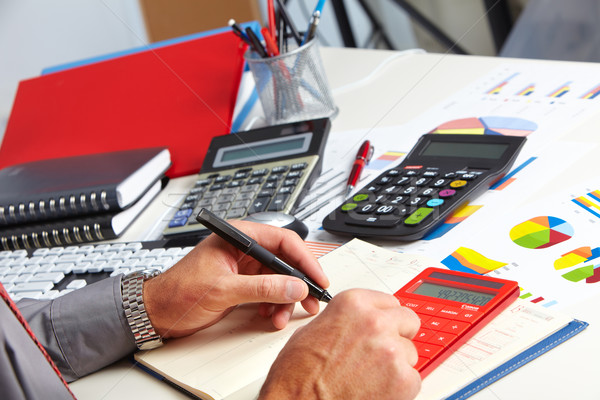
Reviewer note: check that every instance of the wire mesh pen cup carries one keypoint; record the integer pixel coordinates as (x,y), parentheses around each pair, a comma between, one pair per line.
(292,86)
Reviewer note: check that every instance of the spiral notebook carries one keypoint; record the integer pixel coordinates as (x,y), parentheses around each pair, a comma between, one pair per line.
(231,359)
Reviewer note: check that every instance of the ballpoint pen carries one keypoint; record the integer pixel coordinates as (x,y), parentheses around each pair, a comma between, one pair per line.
(312,27)
(362,158)
(238,31)
(250,247)
(256,44)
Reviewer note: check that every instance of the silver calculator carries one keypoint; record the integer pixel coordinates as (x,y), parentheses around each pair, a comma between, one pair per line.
(265,169)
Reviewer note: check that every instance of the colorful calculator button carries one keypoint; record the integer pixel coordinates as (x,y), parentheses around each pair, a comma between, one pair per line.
(458,184)
(418,216)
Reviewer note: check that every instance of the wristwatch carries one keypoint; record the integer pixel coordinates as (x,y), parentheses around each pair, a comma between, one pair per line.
(145,336)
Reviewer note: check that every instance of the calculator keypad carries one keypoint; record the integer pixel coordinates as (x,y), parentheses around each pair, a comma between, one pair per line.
(441,326)
(234,194)
(409,195)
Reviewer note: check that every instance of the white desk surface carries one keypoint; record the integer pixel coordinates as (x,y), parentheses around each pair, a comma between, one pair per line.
(399,91)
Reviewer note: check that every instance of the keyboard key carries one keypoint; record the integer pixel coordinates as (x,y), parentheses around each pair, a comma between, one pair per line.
(41,287)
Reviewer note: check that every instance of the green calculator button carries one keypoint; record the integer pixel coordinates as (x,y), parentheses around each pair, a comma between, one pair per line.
(418,216)
(360,197)
(349,206)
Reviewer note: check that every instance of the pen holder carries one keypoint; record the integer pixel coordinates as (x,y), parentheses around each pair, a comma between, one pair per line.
(292,86)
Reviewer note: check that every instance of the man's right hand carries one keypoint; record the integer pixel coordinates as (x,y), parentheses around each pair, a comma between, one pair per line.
(358,347)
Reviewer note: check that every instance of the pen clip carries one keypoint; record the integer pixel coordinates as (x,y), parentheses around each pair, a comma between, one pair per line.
(369,154)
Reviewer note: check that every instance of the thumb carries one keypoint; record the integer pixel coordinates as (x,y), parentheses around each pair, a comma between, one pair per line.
(277,289)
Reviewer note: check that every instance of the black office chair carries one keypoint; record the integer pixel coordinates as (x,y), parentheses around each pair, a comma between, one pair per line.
(556,30)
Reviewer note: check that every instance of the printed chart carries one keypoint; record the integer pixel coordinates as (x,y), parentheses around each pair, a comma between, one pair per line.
(541,232)
(579,266)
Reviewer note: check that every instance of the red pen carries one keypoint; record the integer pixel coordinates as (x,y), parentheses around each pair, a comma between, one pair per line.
(362,158)
(272,20)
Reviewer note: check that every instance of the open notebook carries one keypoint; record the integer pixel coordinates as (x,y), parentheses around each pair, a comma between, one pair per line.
(231,359)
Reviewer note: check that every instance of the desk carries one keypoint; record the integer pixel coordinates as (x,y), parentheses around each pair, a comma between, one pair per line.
(568,371)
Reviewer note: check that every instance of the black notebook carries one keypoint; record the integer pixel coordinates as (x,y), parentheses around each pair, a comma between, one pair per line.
(77,230)
(75,186)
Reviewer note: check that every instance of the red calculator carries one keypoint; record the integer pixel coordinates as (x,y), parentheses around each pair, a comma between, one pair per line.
(453,306)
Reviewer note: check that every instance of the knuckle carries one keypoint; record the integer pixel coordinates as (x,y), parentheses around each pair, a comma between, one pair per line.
(266,288)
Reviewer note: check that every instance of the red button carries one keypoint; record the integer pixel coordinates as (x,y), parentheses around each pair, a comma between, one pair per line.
(449,312)
(424,335)
(429,350)
(421,363)
(430,308)
(455,327)
(435,323)
(469,316)
(442,338)
(413,304)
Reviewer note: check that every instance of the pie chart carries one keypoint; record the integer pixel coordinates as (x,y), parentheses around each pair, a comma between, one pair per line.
(491,125)
(541,232)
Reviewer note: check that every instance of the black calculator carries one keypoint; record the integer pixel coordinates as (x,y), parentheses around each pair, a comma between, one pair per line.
(264,169)
(440,174)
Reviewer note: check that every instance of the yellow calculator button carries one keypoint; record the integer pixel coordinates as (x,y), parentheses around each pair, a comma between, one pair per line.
(458,183)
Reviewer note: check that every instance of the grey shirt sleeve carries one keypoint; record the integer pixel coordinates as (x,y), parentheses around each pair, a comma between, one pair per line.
(84,330)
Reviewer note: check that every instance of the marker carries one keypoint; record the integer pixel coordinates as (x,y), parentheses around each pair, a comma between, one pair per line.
(269,42)
(362,158)
(250,247)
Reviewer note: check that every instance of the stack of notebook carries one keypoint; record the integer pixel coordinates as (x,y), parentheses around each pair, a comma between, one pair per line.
(73,200)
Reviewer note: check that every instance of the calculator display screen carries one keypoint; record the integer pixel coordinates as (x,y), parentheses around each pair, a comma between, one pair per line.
(263,150)
(490,151)
(453,293)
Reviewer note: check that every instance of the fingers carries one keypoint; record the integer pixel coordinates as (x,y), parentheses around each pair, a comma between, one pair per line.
(287,245)
(277,289)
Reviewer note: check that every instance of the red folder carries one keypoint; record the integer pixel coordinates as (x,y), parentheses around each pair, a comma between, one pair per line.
(178,96)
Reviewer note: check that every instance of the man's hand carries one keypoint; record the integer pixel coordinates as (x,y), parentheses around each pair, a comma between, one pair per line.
(214,277)
(358,347)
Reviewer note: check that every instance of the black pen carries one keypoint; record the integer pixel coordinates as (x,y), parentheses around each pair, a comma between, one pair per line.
(288,21)
(250,247)
(256,44)
(238,31)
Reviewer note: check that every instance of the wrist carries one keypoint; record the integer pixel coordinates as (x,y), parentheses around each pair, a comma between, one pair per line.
(132,291)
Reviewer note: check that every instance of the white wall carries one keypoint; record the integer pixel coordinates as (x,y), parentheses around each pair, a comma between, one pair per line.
(35,34)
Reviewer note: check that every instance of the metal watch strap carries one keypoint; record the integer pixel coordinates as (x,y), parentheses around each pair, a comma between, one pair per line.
(145,336)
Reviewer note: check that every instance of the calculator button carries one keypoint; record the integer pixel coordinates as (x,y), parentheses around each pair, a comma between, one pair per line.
(468,176)
(435,202)
(402,181)
(381,199)
(270,185)
(236,213)
(455,327)
(241,175)
(373,189)
(447,193)
(286,190)
(442,338)
(398,200)
(279,202)
(417,201)
(449,312)
(409,190)
(412,304)
(254,181)
(360,197)
(221,207)
(379,221)
(391,189)
(384,180)
(203,182)
(430,173)
(221,179)
(422,181)
(458,184)
(295,174)
(430,308)
(440,183)
(260,172)
(429,192)
(298,166)
(429,350)
(366,209)
(274,177)
(418,216)
(393,172)
(348,207)
(423,335)
(280,169)
(290,182)
(259,205)
(249,189)
(450,175)
(468,316)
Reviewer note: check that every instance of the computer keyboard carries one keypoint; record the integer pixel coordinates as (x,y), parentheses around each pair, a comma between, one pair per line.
(47,273)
